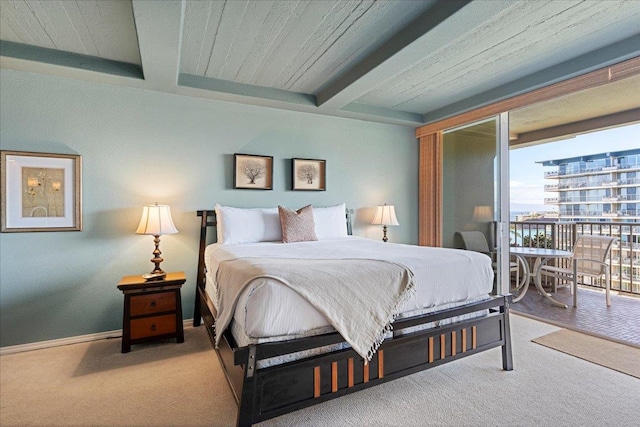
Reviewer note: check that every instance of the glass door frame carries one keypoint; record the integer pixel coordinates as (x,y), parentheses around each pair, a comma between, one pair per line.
(499,235)
(504,217)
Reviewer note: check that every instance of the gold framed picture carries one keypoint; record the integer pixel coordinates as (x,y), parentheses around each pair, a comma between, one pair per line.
(40,191)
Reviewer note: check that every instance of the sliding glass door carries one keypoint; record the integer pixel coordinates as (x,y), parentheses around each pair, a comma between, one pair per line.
(475,184)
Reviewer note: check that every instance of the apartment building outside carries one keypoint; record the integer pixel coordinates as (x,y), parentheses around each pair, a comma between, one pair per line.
(600,194)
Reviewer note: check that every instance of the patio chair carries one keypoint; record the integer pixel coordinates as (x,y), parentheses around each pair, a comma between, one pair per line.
(477,242)
(589,258)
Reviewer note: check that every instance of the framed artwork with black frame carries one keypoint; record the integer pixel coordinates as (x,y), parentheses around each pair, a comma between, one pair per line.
(252,172)
(309,175)
(40,191)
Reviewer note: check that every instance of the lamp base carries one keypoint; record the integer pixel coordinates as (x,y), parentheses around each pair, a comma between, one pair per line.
(384,231)
(157,273)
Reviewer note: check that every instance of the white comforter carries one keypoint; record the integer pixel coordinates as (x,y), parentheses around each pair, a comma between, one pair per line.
(270,309)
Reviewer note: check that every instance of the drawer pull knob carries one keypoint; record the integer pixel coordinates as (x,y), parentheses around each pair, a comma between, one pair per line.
(153,303)
(153,327)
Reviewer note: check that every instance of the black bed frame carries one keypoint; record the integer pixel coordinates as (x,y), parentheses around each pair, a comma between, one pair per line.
(266,393)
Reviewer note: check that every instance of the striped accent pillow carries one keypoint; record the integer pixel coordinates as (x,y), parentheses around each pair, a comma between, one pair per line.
(297,226)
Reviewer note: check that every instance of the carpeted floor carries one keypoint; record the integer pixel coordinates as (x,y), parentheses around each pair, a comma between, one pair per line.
(94,384)
(182,385)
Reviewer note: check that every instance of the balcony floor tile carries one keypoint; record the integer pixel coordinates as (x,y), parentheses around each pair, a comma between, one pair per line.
(620,322)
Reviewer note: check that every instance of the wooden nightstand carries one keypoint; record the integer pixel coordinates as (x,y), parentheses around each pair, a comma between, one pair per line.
(152,309)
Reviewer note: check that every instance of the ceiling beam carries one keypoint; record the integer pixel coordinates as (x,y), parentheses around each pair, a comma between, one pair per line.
(359,79)
(68,59)
(245,90)
(372,111)
(571,129)
(159,28)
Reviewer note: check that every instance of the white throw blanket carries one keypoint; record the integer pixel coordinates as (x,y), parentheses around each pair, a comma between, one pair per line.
(357,296)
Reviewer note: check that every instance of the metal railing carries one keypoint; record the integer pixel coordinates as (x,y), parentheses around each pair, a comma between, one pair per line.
(625,254)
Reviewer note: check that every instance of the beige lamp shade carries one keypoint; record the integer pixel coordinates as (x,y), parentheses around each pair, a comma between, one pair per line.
(385,215)
(156,221)
(482,214)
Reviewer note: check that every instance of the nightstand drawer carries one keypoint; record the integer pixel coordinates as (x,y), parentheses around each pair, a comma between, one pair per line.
(153,303)
(152,309)
(152,326)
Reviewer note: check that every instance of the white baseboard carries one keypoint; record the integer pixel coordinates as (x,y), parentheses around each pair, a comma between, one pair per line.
(70,340)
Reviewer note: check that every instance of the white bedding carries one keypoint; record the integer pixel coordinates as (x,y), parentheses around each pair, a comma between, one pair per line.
(269,309)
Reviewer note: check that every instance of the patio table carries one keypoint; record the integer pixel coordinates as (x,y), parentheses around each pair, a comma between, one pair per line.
(541,256)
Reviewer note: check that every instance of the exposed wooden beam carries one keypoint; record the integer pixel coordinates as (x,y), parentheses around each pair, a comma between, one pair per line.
(343,91)
(159,36)
(245,90)
(69,59)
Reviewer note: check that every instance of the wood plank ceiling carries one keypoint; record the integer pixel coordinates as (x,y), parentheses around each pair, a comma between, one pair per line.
(406,62)
(89,27)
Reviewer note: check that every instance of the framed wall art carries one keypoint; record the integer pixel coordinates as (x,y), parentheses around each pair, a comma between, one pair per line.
(40,191)
(252,172)
(309,174)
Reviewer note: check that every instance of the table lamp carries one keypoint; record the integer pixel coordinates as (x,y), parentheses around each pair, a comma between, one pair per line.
(484,214)
(156,221)
(385,215)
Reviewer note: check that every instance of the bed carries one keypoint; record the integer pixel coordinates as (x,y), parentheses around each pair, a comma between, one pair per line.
(280,354)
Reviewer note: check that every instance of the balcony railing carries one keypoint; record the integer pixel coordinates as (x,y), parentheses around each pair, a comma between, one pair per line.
(624,260)
(630,181)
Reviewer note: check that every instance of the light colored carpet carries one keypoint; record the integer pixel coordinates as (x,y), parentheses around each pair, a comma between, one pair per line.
(94,384)
(182,385)
(622,358)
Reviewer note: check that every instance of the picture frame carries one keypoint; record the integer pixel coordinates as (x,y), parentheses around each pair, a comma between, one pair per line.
(309,175)
(40,191)
(252,172)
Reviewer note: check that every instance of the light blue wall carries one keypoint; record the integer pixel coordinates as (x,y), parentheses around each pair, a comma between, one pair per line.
(139,147)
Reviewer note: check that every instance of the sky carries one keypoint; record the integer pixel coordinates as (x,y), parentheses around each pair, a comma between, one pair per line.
(527,177)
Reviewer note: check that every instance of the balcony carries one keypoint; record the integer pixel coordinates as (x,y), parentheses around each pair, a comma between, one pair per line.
(551,188)
(625,255)
(630,181)
(551,200)
(592,315)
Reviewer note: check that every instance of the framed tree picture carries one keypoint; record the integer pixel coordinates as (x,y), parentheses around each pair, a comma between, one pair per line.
(252,172)
(40,191)
(309,174)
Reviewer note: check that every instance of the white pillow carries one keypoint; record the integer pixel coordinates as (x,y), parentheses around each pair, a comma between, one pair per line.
(331,222)
(239,225)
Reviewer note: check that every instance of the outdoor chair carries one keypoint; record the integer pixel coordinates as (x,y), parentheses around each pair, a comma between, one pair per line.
(477,242)
(589,259)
